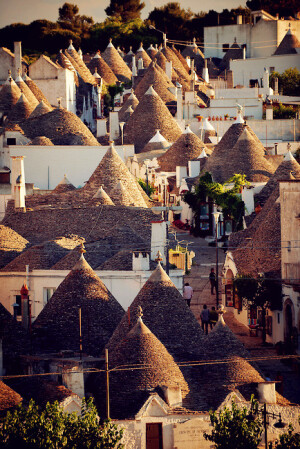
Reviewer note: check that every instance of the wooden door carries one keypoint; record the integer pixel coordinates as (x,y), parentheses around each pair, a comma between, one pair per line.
(154,436)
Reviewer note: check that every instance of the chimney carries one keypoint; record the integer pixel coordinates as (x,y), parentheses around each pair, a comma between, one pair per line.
(101,127)
(181,172)
(18,189)
(140,261)
(114,128)
(266,79)
(266,392)
(18,59)
(140,64)
(169,69)
(205,74)
(173,396)
(194,168)
(230,79)
(158,239)
(72,378)
(133,70)
(239,19)
(244,52)
(179,106)
(25,305)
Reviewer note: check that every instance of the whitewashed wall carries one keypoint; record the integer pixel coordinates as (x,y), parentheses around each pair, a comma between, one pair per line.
(48,164)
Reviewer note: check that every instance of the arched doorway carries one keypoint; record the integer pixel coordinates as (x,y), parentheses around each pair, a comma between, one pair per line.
(289,317)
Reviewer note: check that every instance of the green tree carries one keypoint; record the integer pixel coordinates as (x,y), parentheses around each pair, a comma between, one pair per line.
(125,9)
(51,428)
(68,13)
(173,20)
(233,429)
(261,292)
(288,81)
(228,199)
(284,8)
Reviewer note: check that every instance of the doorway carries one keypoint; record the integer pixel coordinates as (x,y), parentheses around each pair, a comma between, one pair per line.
(154,436)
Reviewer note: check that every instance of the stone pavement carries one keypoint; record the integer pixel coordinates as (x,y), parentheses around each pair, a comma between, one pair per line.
(204,260)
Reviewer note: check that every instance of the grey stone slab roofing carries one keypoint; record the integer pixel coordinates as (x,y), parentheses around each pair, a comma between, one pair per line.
(9,398)
(20,111)
(166,315)
(185,149)
(43,256)
(11,245)
(64,186)
(247,154)
(61,126)
(103,69)
(289,45)
(155,77)
(142,54)
(116,63)
(109,172)
(9,95)
(40,109)
(82,69)
(27,92)
(15,340)
(36,91)
(288,166)
(132,102)
(150,114)
(140,348)
(181,59)
(41,141)
(234,52)
(57,326)
(177,64)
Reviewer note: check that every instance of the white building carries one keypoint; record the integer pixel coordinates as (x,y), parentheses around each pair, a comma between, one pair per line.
(260,38)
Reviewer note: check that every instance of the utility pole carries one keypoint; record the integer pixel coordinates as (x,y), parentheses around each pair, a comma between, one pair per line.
(107,384)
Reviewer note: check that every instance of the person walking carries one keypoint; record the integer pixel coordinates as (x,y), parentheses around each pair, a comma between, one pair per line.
(213,317)
(205,319)
(212,280)
(187,293)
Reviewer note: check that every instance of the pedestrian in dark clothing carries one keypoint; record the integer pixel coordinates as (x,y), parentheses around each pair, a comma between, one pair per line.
(205,319)
(213,317)
(212,280)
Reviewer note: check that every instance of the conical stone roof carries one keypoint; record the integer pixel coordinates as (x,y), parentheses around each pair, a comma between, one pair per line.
(181,59)
(41,141)
(120,196)
(26,91)
(155,77)
(128,57)
(150,114)
(102,197)
(9,399)
(63,61)
(141,348)
(36,91)
(131,101)
(288,166)
(142,54)
(221,155)
(185,149)
(40,109)
(157,142)
(64,186)
(9,95)
(247,157)
(61,126)
(151,51)
(57,326)
(176,63)
(21,110)
(289,45)
(97,62)
(116,63)
(166,315)
(11,245)
(207,130)
(234,52)
(109,172)
(83,70)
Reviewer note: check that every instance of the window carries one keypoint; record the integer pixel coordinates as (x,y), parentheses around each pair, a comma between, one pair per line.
(11,141)
(272,69)
(225,48)
(18,308)
(48,292)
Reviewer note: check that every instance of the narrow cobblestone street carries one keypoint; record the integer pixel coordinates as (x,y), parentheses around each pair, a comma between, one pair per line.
(198,278)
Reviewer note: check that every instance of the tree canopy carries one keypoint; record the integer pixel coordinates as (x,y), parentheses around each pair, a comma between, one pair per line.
(125,9)
(284,8)
(51,428)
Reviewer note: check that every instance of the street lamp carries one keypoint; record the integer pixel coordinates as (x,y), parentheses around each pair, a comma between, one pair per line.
(164,34)
(216,217)
(146,162)
(263,411)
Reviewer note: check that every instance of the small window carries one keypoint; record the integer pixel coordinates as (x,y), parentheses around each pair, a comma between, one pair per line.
(11,141)
(48,292)
(18,308)
(225,48)
(278,318)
